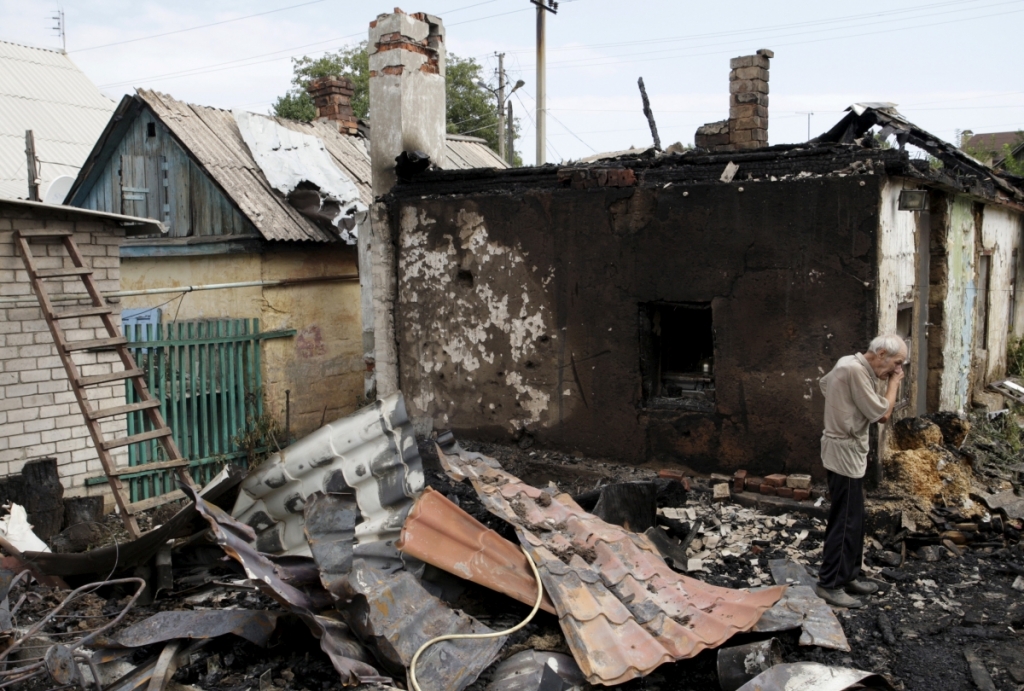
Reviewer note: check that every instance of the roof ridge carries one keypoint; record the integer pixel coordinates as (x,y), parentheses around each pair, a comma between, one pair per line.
(25,45)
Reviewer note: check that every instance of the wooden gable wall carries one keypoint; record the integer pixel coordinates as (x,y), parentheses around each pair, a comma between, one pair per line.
(150,175)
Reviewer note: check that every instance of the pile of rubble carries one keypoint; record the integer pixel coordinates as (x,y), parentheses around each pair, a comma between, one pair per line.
(357,555)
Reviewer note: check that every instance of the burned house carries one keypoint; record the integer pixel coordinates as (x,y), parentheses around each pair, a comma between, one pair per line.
(683,307)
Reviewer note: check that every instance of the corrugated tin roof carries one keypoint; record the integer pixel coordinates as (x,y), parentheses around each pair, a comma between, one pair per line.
(212,137)
(43,91)
(372,453)
(623,611)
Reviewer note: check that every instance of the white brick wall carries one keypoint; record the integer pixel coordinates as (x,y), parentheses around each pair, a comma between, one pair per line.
(39,415)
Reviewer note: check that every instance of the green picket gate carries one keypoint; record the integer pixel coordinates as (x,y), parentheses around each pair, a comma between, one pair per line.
(206,375)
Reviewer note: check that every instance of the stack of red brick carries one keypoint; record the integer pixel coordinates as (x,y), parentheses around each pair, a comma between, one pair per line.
(791,486)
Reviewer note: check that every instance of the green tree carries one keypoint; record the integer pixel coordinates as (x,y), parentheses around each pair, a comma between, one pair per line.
(471,109)
(1014,166)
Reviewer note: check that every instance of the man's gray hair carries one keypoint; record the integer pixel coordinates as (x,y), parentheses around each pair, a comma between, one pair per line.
(892,344)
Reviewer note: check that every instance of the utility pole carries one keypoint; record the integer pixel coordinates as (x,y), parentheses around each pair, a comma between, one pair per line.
(501,105)
(542,7)
(33,166)
(808,123)
(511,136)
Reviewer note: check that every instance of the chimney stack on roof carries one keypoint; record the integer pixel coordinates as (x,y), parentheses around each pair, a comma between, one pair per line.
(332,97)
(407,92)
(747,126)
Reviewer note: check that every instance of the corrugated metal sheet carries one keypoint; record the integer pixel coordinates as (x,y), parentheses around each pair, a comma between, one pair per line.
(371,453)
(43,91)
(397,613)
(211,135)
(441,534)
(622,609)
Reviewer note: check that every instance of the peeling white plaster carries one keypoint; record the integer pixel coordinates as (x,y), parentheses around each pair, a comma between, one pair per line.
(535,403)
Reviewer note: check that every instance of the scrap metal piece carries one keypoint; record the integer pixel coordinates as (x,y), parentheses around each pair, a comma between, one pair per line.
(622,609)
(348,657)
(330,527)
(60,665)
(399,615)
(811,676)
(166,666)
(535,670)
(801,608)
(741,663)
(255,626)
(371,453)
(441,534)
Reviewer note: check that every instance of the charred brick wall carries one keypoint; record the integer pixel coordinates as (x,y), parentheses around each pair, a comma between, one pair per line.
(519,312)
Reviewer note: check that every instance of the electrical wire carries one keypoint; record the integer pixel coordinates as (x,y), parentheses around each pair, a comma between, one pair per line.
(547,142)
(193,28)
(476,636)
(571,132)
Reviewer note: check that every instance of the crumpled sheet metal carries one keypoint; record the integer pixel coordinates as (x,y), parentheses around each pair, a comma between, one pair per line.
(372,453)
(622,609)
(811,676)
(801,608)
(347,655)
(255,626)
(441,534)
(399,615)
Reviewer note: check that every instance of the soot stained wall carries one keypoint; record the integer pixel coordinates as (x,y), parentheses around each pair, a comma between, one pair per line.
(521,312)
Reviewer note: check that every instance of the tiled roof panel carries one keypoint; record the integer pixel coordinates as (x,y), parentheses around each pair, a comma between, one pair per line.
(622,609)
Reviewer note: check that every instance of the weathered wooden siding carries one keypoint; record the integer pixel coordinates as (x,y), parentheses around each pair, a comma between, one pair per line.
(178,192)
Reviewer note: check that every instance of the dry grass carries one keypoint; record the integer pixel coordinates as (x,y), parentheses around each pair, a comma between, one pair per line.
(932,475)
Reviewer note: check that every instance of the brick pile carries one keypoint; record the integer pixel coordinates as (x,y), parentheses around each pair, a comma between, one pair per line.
(332,97)
(39,416)
(790,486)
(747,126)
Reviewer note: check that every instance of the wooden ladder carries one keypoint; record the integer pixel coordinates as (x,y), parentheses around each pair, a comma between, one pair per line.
(146,403)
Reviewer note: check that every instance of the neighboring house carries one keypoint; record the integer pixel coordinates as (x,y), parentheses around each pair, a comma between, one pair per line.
(39,415)
(683,308)
(990,148)
(43,91)
(250,198)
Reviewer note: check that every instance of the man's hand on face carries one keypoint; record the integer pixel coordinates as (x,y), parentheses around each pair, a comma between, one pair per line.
(896,376)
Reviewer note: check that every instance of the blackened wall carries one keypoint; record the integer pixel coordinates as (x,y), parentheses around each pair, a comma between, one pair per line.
(519,311)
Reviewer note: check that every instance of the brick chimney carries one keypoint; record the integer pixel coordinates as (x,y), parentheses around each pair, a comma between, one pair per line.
(747,126)
(407,92)
(332,97)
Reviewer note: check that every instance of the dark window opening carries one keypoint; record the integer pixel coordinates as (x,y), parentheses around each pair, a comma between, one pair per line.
(984,278)
(1013,290)
(677,355)
(150,129)
(905,330)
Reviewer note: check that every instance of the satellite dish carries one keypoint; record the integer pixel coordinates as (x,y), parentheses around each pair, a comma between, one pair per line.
(59,189)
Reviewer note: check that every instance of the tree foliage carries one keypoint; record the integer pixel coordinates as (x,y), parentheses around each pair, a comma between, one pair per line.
(471,109)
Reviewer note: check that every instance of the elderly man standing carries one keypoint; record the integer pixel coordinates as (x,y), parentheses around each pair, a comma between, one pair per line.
(853,401)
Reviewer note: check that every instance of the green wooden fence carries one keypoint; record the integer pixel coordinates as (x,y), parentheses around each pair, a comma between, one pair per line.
(206,375)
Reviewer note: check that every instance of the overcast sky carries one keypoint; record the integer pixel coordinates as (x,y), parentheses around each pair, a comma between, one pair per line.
(949,65)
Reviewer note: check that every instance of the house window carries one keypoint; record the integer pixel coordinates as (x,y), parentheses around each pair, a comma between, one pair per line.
(150,129)
(677,355)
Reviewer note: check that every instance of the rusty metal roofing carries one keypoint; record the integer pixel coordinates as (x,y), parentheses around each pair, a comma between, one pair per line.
(397,613)
(371,453)
(622,609)
(441,534)
(44,91)
(211,136)
(349,658)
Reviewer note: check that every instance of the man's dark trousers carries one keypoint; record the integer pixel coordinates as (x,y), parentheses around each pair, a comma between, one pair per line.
(844,536)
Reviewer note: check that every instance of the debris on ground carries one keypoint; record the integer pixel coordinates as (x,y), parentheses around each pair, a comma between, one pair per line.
(342,558)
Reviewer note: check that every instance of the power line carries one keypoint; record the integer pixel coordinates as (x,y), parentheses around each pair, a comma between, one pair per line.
(193,28)
(572,133)
(617,59)
(526,110)
(234,64)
